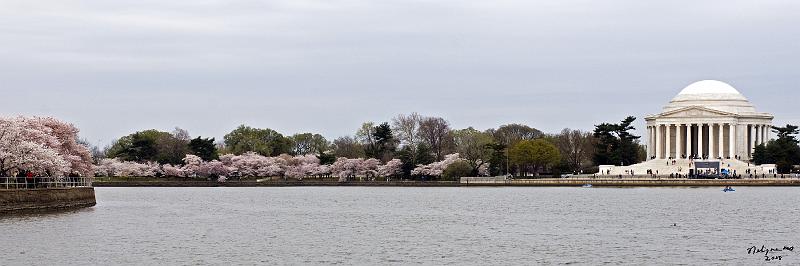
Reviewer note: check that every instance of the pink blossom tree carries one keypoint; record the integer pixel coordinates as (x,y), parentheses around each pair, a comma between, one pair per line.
(299,167)
(254,165)
(191,165)
(43,146)
(369,168)
(77,155)
(173,171)
(194,166)
(117,168)
(393,167)
(346,169)
(213,169)
(349,169)
(436,169)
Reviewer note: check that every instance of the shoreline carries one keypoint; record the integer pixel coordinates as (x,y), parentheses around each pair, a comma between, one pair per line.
(253,183)
(46,199)
(597,182)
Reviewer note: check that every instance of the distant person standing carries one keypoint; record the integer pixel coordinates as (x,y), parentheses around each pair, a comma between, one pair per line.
(29,179)
(18,178)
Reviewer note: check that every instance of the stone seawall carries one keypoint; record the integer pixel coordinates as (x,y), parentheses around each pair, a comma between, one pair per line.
(636,182)
(312,183)
(43,199)
(544,182)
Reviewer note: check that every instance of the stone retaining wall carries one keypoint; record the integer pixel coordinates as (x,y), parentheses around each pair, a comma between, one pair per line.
(18,200)
(638,182)
(293,183)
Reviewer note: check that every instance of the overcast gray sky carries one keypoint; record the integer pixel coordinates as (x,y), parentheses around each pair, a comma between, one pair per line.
(115,67)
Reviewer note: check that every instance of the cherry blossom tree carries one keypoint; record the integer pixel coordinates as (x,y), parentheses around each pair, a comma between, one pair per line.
(117,168)
(436,169)
(295,172)
(303,166)
(255,165)
(192,164)
(369,168)
(77,155)
(393,167)
(213,169)
(346,168)
(42,145)
(173,171)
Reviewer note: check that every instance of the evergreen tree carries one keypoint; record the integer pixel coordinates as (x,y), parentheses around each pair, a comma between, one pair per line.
(406,156)
(326,158)
(760,155)
(424,155)
(615,144)
(143,148)
(204,148)
(783,151)
(385,143)
(498,161)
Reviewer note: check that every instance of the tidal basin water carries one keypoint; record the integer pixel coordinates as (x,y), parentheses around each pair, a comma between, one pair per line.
(431,226)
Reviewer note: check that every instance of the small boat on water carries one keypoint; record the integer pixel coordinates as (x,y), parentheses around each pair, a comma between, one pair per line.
(728,189)
(587,186)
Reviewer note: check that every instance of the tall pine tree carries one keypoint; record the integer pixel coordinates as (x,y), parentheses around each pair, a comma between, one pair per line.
(615,144)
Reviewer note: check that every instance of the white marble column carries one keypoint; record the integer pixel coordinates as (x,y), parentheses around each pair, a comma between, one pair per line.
(742,141)
(649,143)
(711,141)
(721,141)
(668,141)
(688,140)
(678,144)
(658,141)
(764,131)
(700,145)
(652,141)
(731,141)
(752,140)
(758,135)
(768,133)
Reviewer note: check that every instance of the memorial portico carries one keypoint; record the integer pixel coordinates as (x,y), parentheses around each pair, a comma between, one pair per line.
(708,119)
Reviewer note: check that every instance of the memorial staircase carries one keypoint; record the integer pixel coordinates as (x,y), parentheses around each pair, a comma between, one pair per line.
(665,167)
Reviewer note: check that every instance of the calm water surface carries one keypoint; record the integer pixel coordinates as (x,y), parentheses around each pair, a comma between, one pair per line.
(438,226)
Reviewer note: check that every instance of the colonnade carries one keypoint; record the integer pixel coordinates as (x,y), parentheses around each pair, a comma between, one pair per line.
(704,140)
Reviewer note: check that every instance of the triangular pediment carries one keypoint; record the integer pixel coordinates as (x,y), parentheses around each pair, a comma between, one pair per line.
(695,111)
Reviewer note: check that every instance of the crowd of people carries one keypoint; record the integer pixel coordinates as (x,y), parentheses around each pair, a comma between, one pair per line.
(31,180)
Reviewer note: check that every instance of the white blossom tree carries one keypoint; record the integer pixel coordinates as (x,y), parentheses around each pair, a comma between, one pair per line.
(117,168)
(436,169)
(346,168)
(393,167)
(42,145)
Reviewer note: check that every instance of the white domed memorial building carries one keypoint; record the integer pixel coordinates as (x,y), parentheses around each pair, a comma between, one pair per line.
(708,121)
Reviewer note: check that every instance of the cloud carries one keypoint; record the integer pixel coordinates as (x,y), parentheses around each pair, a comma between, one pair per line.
(115,67)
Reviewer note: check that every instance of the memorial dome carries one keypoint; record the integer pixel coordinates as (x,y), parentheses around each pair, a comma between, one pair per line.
(709,87)
(712,94)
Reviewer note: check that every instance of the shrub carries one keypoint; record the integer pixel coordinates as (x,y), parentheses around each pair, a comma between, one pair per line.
(457,170)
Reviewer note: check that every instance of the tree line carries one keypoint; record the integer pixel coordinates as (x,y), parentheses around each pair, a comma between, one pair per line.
(406,146)
(784,151)
(413,139)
